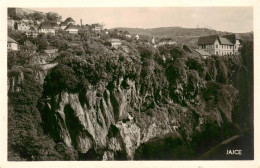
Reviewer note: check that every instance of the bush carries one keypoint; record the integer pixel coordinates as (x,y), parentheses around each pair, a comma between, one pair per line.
(61,78)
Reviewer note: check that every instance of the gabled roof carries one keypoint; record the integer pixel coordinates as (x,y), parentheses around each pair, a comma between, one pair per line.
(10,40)
(202,52)
(71,26)
(63,24)
(223,40)
(232,37)
(207,40)
(45,25)
(32,28)
(69,19)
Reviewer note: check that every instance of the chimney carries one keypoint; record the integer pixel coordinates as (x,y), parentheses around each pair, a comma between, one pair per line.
(80,22)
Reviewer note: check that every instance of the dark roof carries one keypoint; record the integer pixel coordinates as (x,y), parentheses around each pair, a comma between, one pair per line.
(224,40)
(190,49)
(32,28)
(10,40)
(202,52)
(45,25)
(232,37)
(63,24)
(207,40)
(69,19)
(71,26)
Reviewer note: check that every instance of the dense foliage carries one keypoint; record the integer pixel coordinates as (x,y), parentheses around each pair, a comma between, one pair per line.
(165,77)
(27,140)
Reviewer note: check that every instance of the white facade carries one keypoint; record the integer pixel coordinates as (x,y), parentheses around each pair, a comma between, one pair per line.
(12,46)
(52,31)
(23,26)
(218,49)
(72,31)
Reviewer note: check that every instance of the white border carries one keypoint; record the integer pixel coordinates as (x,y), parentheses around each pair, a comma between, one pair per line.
(128,3)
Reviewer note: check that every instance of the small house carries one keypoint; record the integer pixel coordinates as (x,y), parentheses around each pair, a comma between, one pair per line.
(22,26)
(46,27)
(12,45)
(69,20)
(32,32)
(96,27)
(137,37)
(63,25)
(166,41)
(115,42)
(72,29)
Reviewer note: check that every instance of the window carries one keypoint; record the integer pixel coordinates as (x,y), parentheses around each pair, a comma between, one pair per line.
(216,52)
(216,45)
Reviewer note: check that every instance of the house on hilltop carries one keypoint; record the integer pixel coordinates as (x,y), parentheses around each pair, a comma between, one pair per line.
(220,45)
(96,27)
(69,20)
(72,29)
(22,26)
(12,45)
(46,27)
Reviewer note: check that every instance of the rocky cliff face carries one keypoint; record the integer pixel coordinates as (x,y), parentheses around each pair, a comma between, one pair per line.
(110,121)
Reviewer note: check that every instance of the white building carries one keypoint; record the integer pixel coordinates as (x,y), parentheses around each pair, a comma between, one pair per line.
(137,37)
(12,45)
(72,29)
(220,45)
(22,26)
(46,27)
(115,42)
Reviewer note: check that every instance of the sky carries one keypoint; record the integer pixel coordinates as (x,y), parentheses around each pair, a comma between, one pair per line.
(232,19)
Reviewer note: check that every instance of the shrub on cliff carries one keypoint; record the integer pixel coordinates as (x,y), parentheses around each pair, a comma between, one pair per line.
(61,78)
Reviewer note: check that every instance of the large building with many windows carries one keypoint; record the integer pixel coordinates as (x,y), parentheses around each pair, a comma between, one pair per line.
(220,45)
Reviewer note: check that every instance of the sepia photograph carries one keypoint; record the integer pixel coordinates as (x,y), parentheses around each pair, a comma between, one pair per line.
(130,83)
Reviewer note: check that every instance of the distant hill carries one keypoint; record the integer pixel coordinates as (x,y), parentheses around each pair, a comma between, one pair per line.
(179,34)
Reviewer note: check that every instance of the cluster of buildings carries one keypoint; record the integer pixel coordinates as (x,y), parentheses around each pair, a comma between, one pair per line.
(32,28)
(206,46)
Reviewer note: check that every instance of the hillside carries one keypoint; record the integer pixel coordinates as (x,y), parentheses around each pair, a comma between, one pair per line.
(179,34)
(101,103)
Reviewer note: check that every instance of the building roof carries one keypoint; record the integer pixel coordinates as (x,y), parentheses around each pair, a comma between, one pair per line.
(10,40)
(224,40)
(207,40)
(71,26)
(63,24)
(69,19)
(190,49)
(32,28)
(232,37)
(202,52)
(45,25)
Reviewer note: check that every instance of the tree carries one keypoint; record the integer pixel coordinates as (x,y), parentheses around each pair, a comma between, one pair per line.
(51,16)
